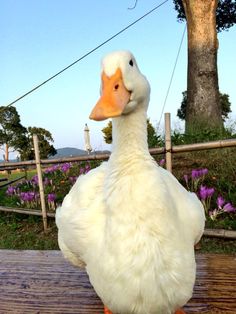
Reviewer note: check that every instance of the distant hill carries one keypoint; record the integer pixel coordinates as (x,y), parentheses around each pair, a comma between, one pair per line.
(73,152)
(69,152)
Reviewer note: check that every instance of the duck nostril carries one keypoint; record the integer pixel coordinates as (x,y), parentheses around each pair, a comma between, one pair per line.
(116,86)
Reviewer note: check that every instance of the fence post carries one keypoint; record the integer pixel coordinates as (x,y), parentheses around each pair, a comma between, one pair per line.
(40,181)
(168,145)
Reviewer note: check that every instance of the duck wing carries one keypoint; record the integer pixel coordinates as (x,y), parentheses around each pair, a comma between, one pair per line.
(80,217)
(189,208)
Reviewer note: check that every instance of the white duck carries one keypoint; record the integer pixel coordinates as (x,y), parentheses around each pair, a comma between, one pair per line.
(129,221)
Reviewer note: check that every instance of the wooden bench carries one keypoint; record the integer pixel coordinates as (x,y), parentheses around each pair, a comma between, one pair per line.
(43,282)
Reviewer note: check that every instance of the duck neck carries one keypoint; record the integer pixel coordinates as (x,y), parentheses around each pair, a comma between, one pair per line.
(129,134)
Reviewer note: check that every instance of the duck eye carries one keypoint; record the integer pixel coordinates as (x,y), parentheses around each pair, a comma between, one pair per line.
(131,62)
(116,86)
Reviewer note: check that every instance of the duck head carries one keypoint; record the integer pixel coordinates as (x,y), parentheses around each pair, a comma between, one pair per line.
(124,88)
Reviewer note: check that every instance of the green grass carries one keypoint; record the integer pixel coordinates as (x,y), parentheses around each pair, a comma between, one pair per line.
(227,222)
(219,246)
(4,200)
(23,232)
(221,165)
(12,175)
(26,232)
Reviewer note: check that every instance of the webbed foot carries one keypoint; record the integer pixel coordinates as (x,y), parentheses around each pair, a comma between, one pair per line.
(107,311)
(180,311)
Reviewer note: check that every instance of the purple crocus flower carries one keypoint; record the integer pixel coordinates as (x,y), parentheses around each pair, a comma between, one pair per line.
(65,167)
(73,179)
(10,190)
(35,180)
(31,196)
(46,181)
(203,172)
(27,196)
(199,173)
(220,201)
(210,192)
(52,169)
(51,197)
(47,170)
(81,170)
(87,168)
(194,174)
(186,178)
(213,214)
(205,192)
(23,196)
(228,208)
(162,162)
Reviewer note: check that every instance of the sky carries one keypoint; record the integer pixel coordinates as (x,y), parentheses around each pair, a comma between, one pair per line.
(41,37)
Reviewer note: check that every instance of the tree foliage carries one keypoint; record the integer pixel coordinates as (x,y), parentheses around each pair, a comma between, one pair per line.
(225,13)
(13,134)
(45,147)
(225,105)
(153,138)
(107,133)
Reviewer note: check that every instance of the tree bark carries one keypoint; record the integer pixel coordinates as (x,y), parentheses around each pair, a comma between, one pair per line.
(6,152)
(203,106)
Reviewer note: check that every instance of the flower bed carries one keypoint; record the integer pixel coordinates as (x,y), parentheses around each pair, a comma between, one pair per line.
(219,211)
(59,179)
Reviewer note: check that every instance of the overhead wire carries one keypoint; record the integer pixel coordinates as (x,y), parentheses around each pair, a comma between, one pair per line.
(87,54)
(172,75)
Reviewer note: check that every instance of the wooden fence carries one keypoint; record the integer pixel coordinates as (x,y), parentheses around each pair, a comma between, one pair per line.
(168,150)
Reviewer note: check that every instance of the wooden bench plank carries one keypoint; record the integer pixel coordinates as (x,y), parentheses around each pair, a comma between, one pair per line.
(43,282)
(215,288)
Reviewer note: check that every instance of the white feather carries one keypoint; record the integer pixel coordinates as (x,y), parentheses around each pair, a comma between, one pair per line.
(131,222)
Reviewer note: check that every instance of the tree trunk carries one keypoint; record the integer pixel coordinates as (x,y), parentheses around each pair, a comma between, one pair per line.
(6,152)
(203,106)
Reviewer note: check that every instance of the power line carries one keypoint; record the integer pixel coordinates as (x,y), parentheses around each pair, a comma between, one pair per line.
(172,76)
(87,54)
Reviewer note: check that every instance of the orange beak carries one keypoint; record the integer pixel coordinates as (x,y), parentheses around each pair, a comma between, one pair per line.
(114,97)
